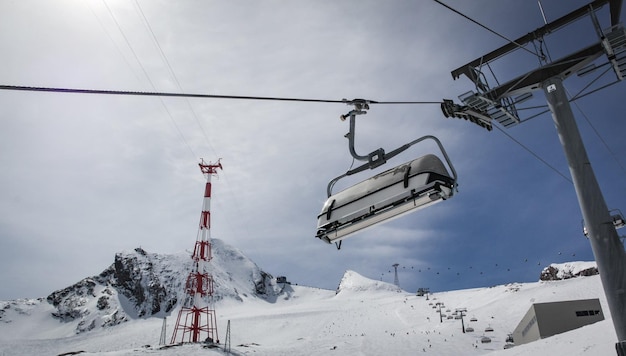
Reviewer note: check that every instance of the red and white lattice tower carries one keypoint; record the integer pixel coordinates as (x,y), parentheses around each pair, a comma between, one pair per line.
(196,318)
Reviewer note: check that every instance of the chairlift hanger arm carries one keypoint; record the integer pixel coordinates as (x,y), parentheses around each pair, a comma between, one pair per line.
(377,157)
(360,106)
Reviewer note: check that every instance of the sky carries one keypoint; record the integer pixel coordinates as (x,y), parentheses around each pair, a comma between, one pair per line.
(85,176)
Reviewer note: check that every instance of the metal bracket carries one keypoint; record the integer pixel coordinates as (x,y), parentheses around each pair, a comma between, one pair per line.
(450,109)
(375,158)
(360,105)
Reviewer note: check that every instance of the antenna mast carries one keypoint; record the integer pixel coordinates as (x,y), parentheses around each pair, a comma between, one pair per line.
(198,311)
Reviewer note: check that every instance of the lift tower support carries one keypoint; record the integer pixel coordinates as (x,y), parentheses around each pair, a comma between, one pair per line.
(605,243)
(396,281)
(498,104)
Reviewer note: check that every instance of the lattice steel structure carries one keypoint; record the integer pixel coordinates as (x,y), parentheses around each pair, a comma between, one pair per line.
(196,319)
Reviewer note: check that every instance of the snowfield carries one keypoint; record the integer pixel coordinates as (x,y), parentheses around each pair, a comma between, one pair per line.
(363,317)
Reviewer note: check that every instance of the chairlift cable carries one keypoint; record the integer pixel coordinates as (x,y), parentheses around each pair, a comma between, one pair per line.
(171,71)
(580,96)
(145,72)
(535,155)
(535,115)
(405,102)
(485,27)
(601,138)
(108,34)
(574,97)
(119,28)
(196,95)
(191,109)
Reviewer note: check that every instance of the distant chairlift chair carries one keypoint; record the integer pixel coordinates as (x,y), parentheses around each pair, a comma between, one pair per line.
(403,189)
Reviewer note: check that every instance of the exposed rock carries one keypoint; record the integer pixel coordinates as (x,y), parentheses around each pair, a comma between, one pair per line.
(103,302)
(70,301)
(140,284)
(261,285)
(556,272)
(135,277)
(84,325)
(549,273)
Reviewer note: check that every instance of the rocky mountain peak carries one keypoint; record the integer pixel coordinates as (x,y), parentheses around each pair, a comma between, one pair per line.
(560,271)
(140,284)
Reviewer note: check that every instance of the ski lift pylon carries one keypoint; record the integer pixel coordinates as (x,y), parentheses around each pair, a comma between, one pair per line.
(395,192)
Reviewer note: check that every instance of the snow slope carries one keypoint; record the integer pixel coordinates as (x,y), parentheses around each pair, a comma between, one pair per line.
(363,317)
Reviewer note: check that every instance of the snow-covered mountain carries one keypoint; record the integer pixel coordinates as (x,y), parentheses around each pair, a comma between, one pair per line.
(559,271)
(120,312)
(140,284)
(354,282)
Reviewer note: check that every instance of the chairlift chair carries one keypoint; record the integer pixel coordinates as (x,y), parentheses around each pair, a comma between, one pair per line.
(406,188)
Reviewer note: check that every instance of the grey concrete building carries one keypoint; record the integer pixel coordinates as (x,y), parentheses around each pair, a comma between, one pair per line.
(546,319)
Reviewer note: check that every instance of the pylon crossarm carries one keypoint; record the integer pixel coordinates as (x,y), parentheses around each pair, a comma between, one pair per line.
(538,33)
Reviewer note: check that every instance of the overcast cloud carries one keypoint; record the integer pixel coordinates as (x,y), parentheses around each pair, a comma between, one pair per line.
(86,176)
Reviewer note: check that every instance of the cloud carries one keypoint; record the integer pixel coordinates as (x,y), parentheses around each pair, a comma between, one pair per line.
(86,176)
